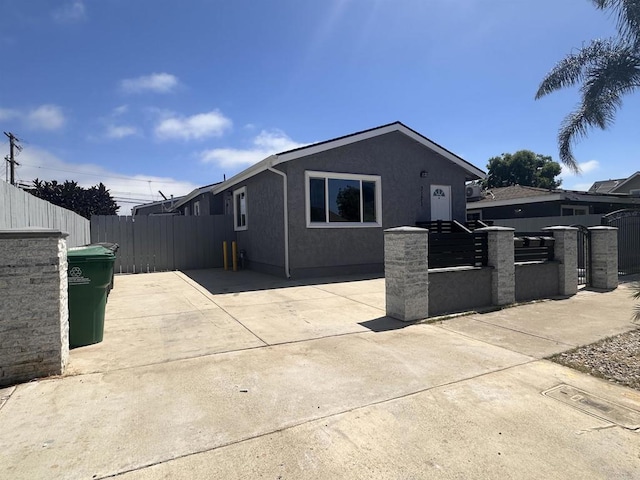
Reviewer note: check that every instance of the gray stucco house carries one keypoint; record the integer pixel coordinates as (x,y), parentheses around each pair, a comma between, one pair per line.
(321,209)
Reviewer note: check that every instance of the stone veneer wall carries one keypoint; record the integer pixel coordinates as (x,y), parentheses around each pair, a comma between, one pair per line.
(34,318)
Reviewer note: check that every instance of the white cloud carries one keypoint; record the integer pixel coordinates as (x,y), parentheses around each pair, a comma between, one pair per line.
(265,144)
(196,127)
(71,12)
(45,117)
(121,131)
(121,110)
(127,190)
(156,83)
(585,167)
(8,114)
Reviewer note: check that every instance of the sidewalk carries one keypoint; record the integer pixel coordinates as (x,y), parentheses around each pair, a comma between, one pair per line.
(312,381)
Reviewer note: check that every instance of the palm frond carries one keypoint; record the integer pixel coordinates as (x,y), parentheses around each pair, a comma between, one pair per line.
(606,81)
(571,69)
(636,293)
(627,13)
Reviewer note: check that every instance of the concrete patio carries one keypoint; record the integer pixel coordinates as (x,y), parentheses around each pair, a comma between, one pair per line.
(212,374)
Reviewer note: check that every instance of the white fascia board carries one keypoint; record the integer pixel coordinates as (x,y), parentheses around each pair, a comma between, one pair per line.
(254,169)
(515,201)
(396,127)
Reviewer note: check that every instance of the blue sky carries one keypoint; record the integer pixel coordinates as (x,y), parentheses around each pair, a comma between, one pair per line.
(148,95)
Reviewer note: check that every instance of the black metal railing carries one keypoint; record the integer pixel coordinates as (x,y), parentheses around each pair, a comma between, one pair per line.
(532,247)
(457,249)
(628,224)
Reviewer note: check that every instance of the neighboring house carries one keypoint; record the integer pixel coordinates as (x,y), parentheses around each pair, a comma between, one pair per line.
(517,201)
(154,208)
(322,209)
(197,202)
(630,185)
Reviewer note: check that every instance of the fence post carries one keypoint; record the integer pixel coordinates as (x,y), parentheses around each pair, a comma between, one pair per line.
(565,252)
(604,257)
(500,256)
(406,273)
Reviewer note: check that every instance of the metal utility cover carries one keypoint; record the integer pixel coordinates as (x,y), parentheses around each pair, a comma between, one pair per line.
(596,406)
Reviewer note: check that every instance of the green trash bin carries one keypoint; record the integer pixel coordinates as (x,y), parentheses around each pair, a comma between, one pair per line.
(89,276)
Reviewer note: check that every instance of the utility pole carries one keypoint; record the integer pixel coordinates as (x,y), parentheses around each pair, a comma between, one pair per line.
(13,145)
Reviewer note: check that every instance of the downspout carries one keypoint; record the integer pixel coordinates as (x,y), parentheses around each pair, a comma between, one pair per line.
(286,218)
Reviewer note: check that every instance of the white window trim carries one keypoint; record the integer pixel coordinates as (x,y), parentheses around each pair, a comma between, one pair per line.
(308,174)
(235,210)
(581,208)
(196,208)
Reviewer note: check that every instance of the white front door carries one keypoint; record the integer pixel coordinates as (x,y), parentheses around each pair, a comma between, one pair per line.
(440,202)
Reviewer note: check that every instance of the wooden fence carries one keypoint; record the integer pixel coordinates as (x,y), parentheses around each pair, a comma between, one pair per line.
(162,243)
(19,209)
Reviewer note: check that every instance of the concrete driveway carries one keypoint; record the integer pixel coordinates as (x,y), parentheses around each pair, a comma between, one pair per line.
(212,374)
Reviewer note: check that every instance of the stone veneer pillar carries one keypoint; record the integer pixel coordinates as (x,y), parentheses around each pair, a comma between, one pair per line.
(604,257)
(406,272)
(34,318)
(565,252)
(500,253)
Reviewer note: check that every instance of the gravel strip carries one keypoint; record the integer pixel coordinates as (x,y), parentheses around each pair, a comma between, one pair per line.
(616,359)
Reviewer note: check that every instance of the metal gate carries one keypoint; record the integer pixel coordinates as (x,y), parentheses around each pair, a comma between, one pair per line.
(628,224)
(584,255)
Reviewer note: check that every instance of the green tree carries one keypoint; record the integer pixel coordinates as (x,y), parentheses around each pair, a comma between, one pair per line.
(523,168)
(94,200)
(607,70)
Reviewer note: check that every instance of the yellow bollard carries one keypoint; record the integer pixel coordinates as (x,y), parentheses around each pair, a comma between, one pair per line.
(224,253)
(234,256)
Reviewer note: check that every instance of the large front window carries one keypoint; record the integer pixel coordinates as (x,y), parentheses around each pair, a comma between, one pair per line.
(343,200)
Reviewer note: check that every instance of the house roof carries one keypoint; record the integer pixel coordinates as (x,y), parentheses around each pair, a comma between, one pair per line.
(473,173)
(194,193)
(611,185)
(152,204)
(520,194)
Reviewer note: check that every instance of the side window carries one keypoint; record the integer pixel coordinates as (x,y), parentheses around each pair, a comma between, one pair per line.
(186,211)
(196,208)
(240,216)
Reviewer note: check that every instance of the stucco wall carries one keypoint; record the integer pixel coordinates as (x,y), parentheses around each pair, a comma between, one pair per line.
(263,240)
(405,200)
(536,280)
(458,289)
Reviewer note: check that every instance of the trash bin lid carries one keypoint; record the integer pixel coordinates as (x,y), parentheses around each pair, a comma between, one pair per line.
(90,252)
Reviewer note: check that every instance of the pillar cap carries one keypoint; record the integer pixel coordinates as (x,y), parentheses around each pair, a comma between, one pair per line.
(603,228)
(406,230)
(559,228)
(495,229)
(34,232)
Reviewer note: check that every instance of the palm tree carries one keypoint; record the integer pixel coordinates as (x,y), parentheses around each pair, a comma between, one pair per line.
(607,68)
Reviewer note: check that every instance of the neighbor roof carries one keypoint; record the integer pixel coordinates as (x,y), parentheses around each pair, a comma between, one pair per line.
(473,173)
(194,193)
(611,186)
(520,194)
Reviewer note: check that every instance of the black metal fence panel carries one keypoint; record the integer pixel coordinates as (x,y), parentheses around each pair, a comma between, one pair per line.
(628,224)
(533,247)
(584,255)
(457,249)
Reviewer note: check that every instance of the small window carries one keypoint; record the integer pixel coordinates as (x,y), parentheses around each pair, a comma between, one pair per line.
(240,209)
(186,211)
(196,208)
(570,210)
(342,200)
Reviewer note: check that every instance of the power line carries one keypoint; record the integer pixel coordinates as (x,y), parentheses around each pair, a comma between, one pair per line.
(102,175)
